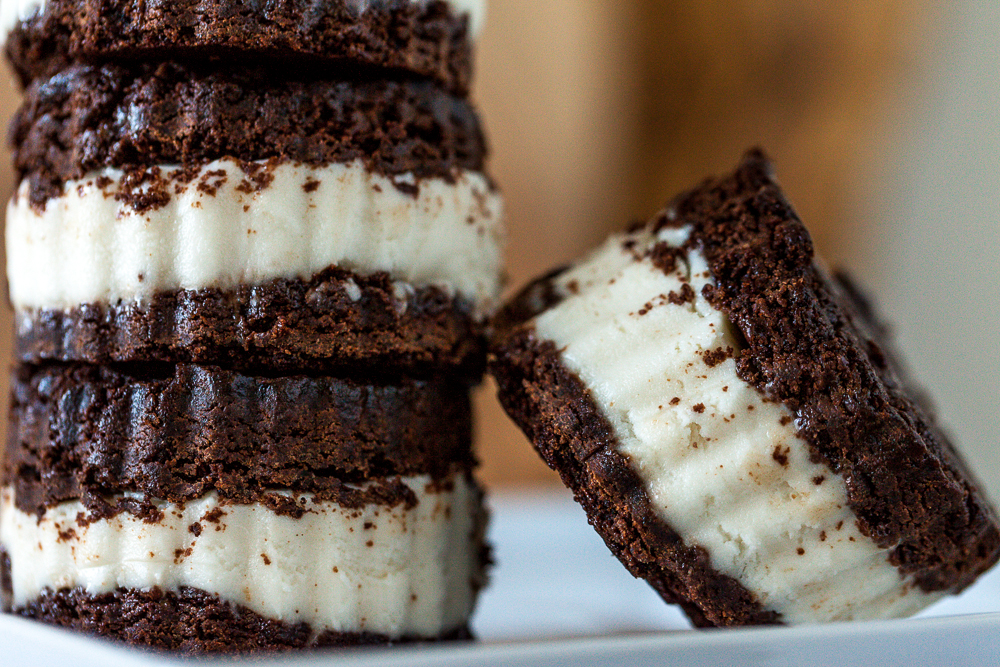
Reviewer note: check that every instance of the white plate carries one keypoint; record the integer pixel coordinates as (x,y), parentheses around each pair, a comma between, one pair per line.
(558,597)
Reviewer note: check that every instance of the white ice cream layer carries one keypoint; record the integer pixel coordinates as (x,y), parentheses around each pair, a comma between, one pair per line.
(13,12)
(393,571)
(721,466)
(88,247)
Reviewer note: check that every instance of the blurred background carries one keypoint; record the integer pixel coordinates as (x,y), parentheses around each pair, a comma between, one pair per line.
(883,118)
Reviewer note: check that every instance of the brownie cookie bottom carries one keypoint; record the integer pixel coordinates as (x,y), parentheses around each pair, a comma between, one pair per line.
(193,621)
(335,321)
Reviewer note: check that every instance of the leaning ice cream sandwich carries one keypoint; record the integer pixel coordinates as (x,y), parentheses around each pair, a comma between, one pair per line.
(734,422)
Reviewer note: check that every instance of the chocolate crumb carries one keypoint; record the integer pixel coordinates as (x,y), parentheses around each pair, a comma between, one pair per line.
(663,255)
(195,529)
(213,516)
(713,358)
(699,408)
(781,455)
(686,296)
(267,561)
(675,400)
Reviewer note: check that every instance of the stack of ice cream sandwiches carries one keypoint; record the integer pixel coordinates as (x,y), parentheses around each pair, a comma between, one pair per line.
(250,258)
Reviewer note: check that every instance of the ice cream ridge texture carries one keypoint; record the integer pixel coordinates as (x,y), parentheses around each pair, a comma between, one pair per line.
(735,422)
(252,256)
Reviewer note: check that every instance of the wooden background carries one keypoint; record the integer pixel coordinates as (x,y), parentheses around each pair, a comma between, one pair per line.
(600,111)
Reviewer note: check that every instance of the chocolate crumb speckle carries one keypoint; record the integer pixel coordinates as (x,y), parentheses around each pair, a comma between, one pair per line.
(686,296)
(663,255)
(715,357)
(780,455)
(214,515)
(675,400)
(267,561)
(699,408)
(195,529)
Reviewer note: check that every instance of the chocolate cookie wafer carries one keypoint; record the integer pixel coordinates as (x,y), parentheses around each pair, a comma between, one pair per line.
(426,38)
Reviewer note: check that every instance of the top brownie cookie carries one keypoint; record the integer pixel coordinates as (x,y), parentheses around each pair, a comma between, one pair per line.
(426,38)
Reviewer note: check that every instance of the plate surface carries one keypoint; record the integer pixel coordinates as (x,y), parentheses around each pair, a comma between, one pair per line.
(559,597)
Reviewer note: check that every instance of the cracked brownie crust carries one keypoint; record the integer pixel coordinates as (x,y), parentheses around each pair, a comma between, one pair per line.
(136,116)
(177,433)
(424,39)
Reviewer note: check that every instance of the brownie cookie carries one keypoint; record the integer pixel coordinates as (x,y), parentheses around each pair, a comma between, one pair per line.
(337,321)
(192,621)
(735,423)
(130,117)
(425,38)
(95,431)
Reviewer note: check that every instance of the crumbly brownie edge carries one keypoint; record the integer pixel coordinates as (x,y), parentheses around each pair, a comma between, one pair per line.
(337,320)
(136,116)
(553,408)
(192,621)
(399,38)
(89,432)
(809,346)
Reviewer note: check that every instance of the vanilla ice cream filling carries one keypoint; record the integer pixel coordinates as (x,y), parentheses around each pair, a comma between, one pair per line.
(721,466)
(89,246)
(13,12)
(395,571)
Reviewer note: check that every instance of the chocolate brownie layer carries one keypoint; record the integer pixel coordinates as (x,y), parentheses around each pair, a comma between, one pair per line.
(86,432)
(192,621)
(426,39)
(554,410)
(336,321)
(88,118)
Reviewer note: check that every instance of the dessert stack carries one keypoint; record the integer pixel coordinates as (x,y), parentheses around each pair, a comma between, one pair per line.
(250,257)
